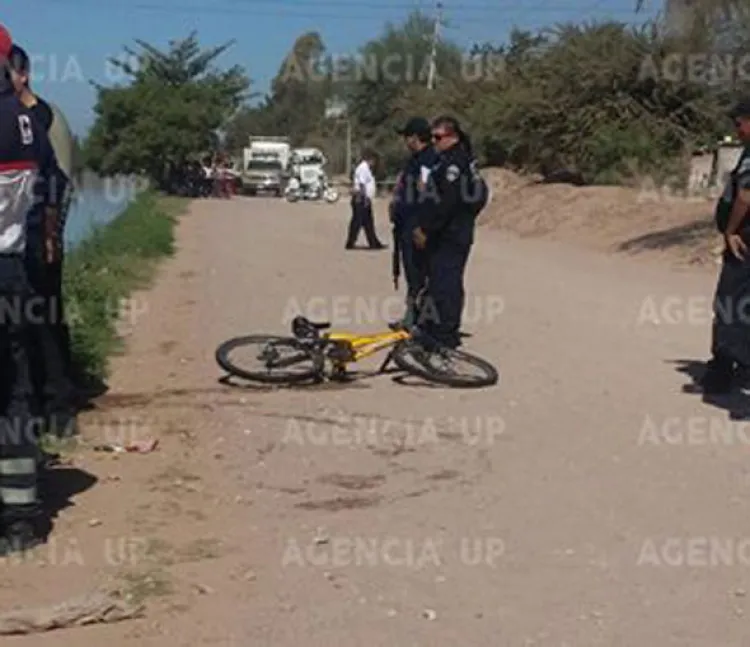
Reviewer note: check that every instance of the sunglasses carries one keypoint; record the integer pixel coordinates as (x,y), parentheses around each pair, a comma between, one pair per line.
(436,137)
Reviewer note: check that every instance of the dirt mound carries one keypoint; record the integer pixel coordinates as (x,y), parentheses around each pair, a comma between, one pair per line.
(607,217)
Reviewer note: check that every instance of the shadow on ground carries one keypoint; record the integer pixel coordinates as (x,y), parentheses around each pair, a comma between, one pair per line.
(60,484)
(354,380)
(736,403)
(682,236)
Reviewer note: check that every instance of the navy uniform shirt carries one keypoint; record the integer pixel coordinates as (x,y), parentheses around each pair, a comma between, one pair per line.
(27,161)
(58,182)
(738,180)
(445,212)
(410,193)
(42,113)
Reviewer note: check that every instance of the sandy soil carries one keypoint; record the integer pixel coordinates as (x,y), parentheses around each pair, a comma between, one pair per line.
(588,499)
(639,220)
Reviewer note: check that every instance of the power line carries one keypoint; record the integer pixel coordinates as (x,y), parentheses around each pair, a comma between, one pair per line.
(500,5)
(244,8)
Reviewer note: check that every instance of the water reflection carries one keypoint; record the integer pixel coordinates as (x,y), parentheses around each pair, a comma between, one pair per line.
(97,202)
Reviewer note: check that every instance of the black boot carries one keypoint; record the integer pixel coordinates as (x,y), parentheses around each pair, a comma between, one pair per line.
(719,376)
(23,535)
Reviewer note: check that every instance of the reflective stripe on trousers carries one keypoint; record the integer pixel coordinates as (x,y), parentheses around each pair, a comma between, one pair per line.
(18,481)
(18,450)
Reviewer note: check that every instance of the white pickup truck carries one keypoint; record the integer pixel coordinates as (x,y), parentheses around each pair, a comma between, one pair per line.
(266,165)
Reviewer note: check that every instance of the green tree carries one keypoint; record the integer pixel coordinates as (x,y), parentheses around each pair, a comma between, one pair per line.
(578,96)
(389,72)
(295,105)
(171,110)
(580,99)
(299,90)
(251,120)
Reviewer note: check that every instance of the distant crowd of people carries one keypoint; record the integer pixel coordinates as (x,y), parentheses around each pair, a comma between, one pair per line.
(218,172)
(212,176)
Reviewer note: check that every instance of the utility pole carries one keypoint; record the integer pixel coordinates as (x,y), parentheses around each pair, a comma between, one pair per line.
(348,147)
(433,54)
(339,112)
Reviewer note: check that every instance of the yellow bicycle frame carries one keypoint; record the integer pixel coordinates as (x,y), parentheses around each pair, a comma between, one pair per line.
(366,345)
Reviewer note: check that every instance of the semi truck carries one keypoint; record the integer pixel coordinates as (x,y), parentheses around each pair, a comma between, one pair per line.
(266,165)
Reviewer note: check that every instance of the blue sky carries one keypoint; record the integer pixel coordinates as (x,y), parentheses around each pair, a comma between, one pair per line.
(71,40)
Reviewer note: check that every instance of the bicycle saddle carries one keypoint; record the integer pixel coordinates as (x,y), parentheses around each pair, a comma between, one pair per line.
(303,327)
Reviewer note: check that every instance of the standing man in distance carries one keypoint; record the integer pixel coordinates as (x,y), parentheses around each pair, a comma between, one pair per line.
(407,201)
(362,198)
(45,248)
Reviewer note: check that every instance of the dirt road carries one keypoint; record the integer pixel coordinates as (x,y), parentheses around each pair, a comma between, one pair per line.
(586,500)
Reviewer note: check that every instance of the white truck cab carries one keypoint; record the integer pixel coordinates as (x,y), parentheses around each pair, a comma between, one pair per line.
(307,165)
(265,164)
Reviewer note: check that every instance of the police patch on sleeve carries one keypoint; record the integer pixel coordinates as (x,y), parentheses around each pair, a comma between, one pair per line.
(452,173)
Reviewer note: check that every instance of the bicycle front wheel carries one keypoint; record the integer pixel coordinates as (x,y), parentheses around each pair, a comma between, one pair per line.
(454,368)
(269,359)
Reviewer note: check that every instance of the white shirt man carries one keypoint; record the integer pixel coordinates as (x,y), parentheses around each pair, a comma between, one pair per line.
(364,181)
(362,201)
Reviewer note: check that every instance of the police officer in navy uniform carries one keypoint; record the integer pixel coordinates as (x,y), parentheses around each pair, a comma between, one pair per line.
(730,338)
(49,352)
(26,156)
(407,201)
(455,195)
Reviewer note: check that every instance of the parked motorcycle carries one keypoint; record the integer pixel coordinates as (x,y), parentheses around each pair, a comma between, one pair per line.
(330,194)
(296,190)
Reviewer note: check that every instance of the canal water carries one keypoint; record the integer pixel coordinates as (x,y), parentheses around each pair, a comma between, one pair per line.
(97,202)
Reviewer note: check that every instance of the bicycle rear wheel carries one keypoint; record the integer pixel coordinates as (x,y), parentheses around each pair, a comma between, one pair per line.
(278,360)
(454,368)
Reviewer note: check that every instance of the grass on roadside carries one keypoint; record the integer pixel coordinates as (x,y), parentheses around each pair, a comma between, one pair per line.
(107,267)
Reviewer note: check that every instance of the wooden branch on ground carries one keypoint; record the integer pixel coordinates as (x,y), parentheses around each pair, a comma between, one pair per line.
(93,608)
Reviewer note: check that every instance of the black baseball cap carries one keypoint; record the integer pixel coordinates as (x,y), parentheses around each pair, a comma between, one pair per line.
(415,126)
(741,109)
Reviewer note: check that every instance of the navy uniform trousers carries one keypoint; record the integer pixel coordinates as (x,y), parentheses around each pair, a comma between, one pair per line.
(414,262)
(49,351)
(18,429)
(446,264)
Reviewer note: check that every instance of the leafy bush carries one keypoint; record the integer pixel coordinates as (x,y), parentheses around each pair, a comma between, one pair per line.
(107,267)
(592,98)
